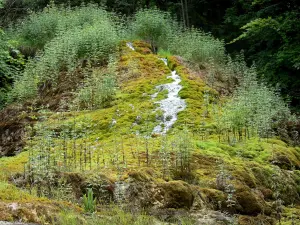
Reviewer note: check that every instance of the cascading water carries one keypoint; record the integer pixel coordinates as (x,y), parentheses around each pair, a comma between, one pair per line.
(170,106)
(130,45)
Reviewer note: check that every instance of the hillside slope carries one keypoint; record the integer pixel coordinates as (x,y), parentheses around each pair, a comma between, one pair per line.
(184,172)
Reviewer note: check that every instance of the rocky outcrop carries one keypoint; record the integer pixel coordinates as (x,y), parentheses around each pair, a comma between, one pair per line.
(12,130)
(36,212)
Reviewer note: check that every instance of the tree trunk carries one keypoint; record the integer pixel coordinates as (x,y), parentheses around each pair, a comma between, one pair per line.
(183,14)
(187,14)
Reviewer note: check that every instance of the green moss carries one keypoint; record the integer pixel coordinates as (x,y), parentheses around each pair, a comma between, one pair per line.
(12,165)
(9,192)
(193,89)
(177,194)
(249,203)
(213,197)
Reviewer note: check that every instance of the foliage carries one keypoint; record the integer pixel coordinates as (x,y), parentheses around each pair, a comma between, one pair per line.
(269,34)
(153,26)
(184,149)
(93,40)
(197,47)
(40,27)
(9,65)
(89,201)
(162,32)
(98,89)
(112,215)
(255,109)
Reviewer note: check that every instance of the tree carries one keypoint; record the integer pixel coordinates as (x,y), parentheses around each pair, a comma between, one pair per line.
(270,36)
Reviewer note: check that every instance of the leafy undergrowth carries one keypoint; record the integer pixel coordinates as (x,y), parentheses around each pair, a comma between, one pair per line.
(252,178)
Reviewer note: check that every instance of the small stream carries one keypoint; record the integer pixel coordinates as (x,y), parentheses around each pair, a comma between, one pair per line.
(130,45)
(171,105)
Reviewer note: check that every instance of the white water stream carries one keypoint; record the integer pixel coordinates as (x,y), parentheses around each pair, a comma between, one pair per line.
(130,45)
(171,105)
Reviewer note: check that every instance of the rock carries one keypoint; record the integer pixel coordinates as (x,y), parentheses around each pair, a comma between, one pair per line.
(210,217)
(177,194)
(215,199)
(35,212)
(12,130)
(250,205)
(170,215)
(260,219)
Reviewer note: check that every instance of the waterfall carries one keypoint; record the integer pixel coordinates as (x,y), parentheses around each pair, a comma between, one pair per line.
(170,106)
(130,45)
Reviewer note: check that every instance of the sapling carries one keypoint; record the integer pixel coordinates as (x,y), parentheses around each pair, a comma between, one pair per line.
(206,100)
(164,155)
(97,149)
(85,153)
(80,157)
(278,203)
(184,150)
(90,157)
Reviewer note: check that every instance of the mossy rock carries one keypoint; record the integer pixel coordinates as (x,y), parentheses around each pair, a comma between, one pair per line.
(260,219)
(245,176)
(214,198)
(170,216)
(102,186)
(285,161)
(267,193)
(142,175)
(41,212)
(187,176)
(177,194)
(250,204)
(142,47)
(77,182)
(263,176)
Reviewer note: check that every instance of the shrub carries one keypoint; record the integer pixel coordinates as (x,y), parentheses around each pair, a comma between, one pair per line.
(154,26)
(9,66)
(197,46)
(254,109)
(162,31)
(63,53)
(41,27)
(97,90)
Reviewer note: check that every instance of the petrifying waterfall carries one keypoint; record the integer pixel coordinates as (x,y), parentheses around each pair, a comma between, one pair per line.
(170,106)
(130,45)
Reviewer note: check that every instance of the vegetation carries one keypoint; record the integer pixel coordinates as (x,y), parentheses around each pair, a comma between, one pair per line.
(254,110)
(85,102)
(89,201)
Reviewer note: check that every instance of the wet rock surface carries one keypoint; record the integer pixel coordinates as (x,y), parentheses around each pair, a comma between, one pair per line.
(12,131)
(170,106)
